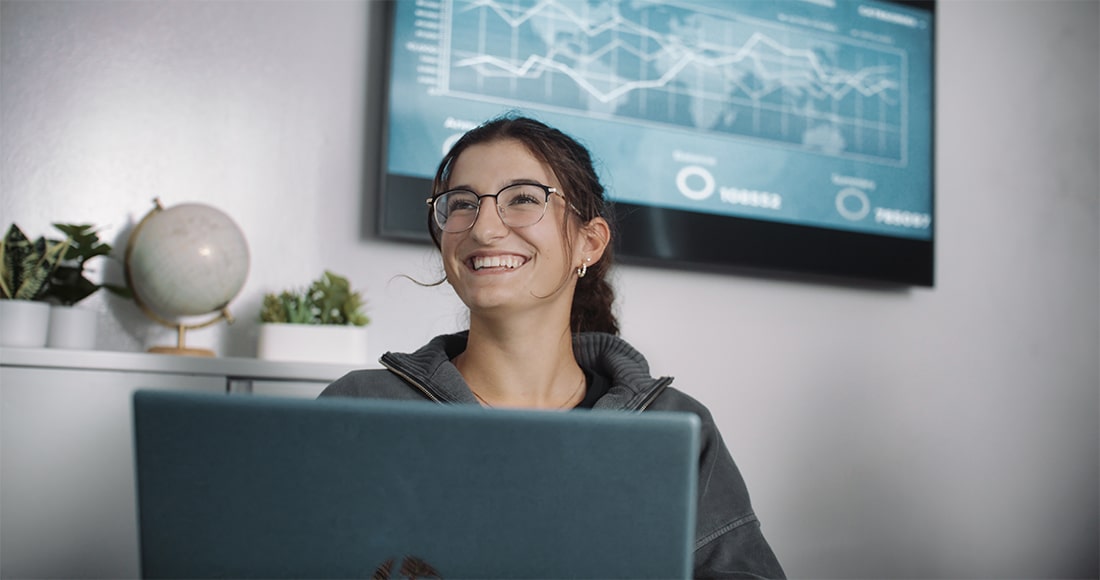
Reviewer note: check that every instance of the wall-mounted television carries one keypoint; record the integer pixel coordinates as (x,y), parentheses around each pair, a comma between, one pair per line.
(791,136)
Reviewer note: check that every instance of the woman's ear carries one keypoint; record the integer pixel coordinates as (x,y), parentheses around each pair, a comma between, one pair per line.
(595,235)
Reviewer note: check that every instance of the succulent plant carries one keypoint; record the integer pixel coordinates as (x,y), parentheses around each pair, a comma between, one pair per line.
(328,300)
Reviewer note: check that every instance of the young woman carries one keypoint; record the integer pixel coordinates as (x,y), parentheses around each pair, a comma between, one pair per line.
(518,214)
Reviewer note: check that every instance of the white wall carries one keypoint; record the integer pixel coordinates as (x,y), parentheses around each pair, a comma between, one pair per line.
(947,432)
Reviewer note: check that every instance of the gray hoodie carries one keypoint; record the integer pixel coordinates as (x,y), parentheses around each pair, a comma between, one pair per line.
(728,542)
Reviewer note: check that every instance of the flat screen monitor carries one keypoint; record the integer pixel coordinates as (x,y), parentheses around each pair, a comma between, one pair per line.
(791,136)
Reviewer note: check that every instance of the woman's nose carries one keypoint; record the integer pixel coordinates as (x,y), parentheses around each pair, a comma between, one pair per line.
(488,225)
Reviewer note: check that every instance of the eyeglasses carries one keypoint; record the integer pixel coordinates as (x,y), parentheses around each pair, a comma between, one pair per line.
(519,205)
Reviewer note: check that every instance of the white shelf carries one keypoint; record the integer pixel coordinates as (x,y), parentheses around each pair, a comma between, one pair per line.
(231,367)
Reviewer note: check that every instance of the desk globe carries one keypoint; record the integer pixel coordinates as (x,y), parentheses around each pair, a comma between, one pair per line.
(185,261)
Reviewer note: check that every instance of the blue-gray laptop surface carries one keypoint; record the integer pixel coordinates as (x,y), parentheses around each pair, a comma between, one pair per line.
(239,486)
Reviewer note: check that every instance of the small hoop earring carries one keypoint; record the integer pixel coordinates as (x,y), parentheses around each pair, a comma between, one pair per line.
(584,268)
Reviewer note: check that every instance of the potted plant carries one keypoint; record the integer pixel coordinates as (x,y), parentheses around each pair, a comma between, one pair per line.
(25,270)
(68,284)
(72,327)
(324,322)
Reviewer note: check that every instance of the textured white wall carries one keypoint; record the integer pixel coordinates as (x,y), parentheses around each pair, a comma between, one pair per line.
(948,432)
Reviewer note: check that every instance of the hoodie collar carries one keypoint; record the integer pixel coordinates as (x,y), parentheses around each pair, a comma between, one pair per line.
(430,370)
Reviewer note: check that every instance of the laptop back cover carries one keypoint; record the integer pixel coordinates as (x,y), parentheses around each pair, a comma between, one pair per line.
(239,486)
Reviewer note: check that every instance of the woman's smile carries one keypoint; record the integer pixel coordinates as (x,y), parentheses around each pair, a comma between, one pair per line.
(496,263)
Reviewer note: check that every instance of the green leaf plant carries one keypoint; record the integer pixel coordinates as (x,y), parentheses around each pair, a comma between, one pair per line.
(52,270)
(26,266)
(68,284)
(328,300)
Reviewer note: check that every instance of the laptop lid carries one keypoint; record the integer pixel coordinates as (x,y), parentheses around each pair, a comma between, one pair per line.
(252,486)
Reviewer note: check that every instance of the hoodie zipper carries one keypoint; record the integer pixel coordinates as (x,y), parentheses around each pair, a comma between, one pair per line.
(662,384)
(411,381)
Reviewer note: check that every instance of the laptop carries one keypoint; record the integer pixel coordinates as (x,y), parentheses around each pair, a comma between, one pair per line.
(238,486)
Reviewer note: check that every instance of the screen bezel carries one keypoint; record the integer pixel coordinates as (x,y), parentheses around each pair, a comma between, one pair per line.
(646,235)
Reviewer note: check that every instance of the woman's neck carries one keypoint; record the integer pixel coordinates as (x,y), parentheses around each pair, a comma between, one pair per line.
(521,365)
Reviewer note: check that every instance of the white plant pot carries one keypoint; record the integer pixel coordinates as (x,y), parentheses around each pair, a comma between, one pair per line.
(72,327)
(313,343)
(24,323)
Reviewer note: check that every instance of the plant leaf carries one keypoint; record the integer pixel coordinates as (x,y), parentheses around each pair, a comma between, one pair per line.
(16,249)
(69,286)
(84,242)
(37,266)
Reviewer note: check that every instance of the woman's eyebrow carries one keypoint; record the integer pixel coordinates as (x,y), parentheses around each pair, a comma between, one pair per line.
(523,181)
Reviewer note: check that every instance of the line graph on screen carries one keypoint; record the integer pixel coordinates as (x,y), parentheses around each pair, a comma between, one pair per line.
(698,66)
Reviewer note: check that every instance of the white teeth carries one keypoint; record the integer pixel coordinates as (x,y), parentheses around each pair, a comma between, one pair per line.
(509,262)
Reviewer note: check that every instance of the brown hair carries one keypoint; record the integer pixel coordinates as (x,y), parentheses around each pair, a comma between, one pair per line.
(572,165)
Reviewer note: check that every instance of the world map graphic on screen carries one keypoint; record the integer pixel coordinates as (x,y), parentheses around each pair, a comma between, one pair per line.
(711,71)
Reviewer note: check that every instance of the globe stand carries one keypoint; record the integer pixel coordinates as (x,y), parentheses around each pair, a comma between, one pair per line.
(181,347)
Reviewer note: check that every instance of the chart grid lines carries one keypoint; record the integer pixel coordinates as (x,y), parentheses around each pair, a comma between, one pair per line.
(710,70)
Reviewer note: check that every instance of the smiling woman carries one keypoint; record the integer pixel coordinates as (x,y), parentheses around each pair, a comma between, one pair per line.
(520,219)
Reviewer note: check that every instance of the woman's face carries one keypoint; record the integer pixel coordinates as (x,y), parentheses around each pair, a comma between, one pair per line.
(495,268)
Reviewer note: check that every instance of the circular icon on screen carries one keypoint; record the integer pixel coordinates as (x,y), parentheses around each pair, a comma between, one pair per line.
(852,204)
(695,182)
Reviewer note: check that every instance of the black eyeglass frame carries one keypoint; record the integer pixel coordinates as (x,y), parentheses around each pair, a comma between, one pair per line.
(496,198)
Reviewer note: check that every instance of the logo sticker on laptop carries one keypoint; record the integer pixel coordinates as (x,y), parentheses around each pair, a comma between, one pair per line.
(411,568)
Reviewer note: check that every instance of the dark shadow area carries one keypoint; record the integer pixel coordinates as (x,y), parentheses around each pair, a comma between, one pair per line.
(694,241)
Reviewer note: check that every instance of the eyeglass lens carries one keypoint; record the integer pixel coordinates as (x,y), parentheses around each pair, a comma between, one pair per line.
(518,206)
